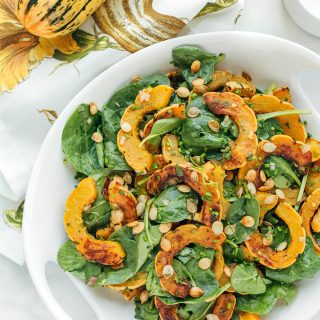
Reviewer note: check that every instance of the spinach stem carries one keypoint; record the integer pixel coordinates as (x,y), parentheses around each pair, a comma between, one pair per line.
(302,187)
(266,116)
(146,221)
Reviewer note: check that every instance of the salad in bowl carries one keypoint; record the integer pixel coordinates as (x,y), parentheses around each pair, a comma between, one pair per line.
(197,195)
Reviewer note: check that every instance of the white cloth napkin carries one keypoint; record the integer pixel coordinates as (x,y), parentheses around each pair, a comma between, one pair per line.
(23,128)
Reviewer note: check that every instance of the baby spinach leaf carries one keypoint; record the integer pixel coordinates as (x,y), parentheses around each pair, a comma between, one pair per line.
(245,279)
(240,208)
(99,214)
(263,304)
(69,258)
(233,253)
(183,57)
(146,311)
(137,251)
(172,205)
(306,266)
(268,128)
(282,172)
(113,111)
(79,149)
(196,134)
(229,191)
(196,311)
(160,128)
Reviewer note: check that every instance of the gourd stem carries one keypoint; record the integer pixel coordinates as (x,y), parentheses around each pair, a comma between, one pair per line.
(302,187)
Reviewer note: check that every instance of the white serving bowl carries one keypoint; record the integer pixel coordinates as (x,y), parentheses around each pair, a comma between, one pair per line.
(266,58)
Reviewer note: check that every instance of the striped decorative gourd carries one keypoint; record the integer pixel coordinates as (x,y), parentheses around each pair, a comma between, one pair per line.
(54,18)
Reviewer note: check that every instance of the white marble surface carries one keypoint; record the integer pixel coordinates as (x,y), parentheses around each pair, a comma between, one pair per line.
(18,297)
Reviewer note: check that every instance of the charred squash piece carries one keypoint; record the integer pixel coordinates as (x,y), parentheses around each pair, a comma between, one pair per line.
(291,124)
(245,145)
(216,174)
(197,181)
(242,86)
(170,150)
(248,316)
(282,94)
(224,306)
(180,238)
(166,312)
(310,216)
(121,198)
(285,147)
(281,259)
(128,140)
(101,251)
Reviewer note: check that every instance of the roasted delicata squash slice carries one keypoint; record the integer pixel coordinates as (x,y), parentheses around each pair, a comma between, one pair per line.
(128,140)
(267,201)
(137,281)
(291,124)
(283,94)
(241,86)
(315,148)
(219,80)
(313,180)
(245,145)
(101,251)
(122,199)
(279,145)
(173,111)
(196,180)
(180,238)
(218,263)
(248,316)
(166,312)
(285,258)
(310,212)
(224,306)
(170,150)
(128,294)
(217,174)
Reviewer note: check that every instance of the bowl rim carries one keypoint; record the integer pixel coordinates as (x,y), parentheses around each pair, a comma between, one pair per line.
(30,195)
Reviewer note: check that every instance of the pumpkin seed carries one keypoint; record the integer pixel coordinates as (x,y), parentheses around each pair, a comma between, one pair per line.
(144,296)
(165,244)
(153,213)
(214,125)
(141,206)
(142,198)
(271,199)
(195,66)
(263,176)
(282,246)
(127,178)
(183,92)
(267,239)
(251,175)
(280,194)
(184,188)
(97,137)
(269,147)
(117,216)
(167,271)
(132,224)
(93,108)
(193,112)
(198,82)
(138,228)
(87,207)
(196,292)
(191,206)
(247,221)
(204,263)
(165,227)
(229,230)
(125,126)
(212,316)
(227,271)
(119,179)
(194,176)
(252,188)
(217,228)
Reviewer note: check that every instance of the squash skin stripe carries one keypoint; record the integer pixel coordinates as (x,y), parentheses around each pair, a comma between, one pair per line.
(101,251)
(285,258)
(180,238)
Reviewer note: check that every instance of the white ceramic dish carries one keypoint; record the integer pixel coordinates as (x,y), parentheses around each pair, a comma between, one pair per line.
(268,59)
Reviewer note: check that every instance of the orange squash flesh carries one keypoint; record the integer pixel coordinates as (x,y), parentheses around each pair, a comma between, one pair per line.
(101,251)
(120,197)
(264,208)
(180,238)
(170,150)
(290,124)
(245,145)
(138,280)
(308,210)
(147,101)
(159,179)
(313,181)
(280,259)
(248,316)
(224,306)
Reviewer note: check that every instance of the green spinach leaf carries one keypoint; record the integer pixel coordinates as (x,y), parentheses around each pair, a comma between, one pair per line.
(79,149)
(196,134)
(245,279)
(283,173)
(306,266)
(183,57)
(112,113)
(146,311)
(240,208)
(160,128)
(194,311)
(171,205)
(263,304)
(230,191)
